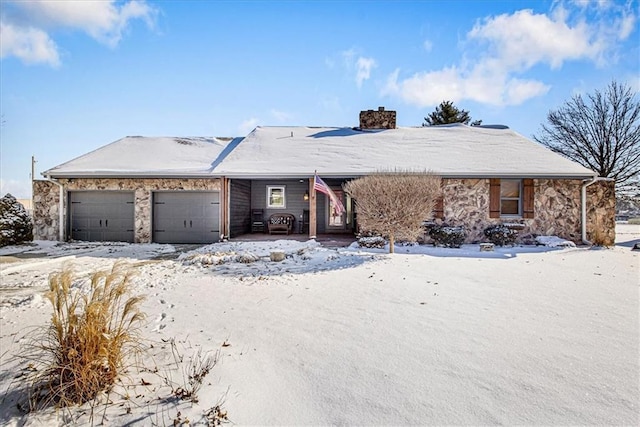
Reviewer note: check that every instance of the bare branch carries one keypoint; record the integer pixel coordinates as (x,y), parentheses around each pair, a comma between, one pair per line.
(601,134)
(394,204)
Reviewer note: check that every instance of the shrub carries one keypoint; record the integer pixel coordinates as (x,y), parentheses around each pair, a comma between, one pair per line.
(447,236)
(501,235)
(394,204)
(15,223)
(89,340)
(371,240)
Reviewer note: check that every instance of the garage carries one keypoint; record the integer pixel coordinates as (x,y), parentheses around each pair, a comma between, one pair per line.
(186,217)
(101,216)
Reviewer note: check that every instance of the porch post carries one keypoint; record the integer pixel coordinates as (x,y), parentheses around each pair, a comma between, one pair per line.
(224,207)
(312,209)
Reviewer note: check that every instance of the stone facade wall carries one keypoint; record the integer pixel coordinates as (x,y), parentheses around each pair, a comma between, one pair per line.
(46,214)
(142,188)
(601,213)
(557,209)
(466,202)
(380,119)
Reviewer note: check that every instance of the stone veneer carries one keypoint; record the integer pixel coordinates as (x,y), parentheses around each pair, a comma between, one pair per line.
(557,209)
(46,216)
(46,200)
(466,202)
(380,119)
(601,216)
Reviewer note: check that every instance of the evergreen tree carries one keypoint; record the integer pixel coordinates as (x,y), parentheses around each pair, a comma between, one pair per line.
(447,113)
(15,223)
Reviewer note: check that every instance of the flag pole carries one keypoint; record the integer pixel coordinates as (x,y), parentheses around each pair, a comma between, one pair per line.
(312,206)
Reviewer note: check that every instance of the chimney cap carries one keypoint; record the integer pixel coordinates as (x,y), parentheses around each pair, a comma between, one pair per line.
(380,108)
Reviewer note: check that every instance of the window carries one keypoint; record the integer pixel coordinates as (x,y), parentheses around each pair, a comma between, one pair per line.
(510,193)
(276,197)
(511,197)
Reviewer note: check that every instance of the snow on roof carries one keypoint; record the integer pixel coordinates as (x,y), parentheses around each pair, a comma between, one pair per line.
(147,156)
(279,152)
(450,151)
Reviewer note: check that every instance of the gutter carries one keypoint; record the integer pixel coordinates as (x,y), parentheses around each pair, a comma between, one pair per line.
(61,225)
(583,211)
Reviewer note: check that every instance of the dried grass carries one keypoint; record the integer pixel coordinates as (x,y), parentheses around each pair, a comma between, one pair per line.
(89,341)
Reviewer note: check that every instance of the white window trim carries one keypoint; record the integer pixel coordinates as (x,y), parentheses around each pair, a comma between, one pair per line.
(270,188)
(519,199)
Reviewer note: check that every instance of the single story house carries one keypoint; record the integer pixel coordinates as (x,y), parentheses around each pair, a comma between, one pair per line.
(197,190)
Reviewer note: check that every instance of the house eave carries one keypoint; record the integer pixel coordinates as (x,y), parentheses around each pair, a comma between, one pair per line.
(457,175)
(127,175)
(343,175)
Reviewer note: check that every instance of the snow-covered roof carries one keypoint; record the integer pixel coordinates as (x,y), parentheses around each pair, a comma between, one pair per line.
(450,151)
(287,152)
(136,156)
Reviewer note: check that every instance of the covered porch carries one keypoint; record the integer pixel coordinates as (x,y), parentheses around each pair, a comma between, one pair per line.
(252,206)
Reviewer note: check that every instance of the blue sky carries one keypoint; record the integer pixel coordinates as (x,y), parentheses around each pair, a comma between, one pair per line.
(76,75)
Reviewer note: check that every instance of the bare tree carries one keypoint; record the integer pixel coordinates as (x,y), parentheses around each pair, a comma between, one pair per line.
(395,204)
(601,132)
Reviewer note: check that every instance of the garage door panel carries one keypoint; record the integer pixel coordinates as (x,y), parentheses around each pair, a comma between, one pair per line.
(186,217)
(101,215)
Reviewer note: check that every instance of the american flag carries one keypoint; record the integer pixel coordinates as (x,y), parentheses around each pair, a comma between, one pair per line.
(321,186)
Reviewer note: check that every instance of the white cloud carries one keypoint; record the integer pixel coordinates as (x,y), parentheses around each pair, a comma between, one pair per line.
(248,125)
(30,45)
(18,189)
(427,45)
(627,25)
(280,116)
(453,84)
(510,45)
(32,22)
(524,39)
(361,65)
(363,72)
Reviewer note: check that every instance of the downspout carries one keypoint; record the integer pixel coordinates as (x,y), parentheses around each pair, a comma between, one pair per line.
(583,211)
(61,225)
(227,209)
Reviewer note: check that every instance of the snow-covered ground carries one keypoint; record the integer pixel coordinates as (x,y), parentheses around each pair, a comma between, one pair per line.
(524,335)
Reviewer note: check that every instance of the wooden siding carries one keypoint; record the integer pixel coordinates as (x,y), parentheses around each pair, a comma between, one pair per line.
(240,207)
(294,192)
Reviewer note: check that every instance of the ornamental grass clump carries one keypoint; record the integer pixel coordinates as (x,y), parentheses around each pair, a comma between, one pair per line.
(90,340)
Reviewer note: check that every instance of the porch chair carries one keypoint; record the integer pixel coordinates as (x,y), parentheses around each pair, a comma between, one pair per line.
(257,221)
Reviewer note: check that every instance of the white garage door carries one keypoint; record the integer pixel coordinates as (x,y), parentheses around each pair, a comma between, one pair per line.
(186,217)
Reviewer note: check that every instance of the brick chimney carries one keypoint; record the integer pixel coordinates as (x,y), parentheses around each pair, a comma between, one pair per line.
(380,119)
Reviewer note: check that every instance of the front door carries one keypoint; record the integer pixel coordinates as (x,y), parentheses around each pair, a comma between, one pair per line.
(339,222)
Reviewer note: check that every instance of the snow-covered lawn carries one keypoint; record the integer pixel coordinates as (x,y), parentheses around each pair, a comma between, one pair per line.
(524,335)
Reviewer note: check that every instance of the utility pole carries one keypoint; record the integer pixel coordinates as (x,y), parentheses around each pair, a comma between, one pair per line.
(33,169)
(33,176)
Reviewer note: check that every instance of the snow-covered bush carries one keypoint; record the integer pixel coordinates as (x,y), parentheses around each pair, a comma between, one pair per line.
(447,236)
(376,242)
(501,235)
(15,223)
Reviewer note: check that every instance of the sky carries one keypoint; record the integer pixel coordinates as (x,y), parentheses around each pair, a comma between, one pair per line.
(77,75)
